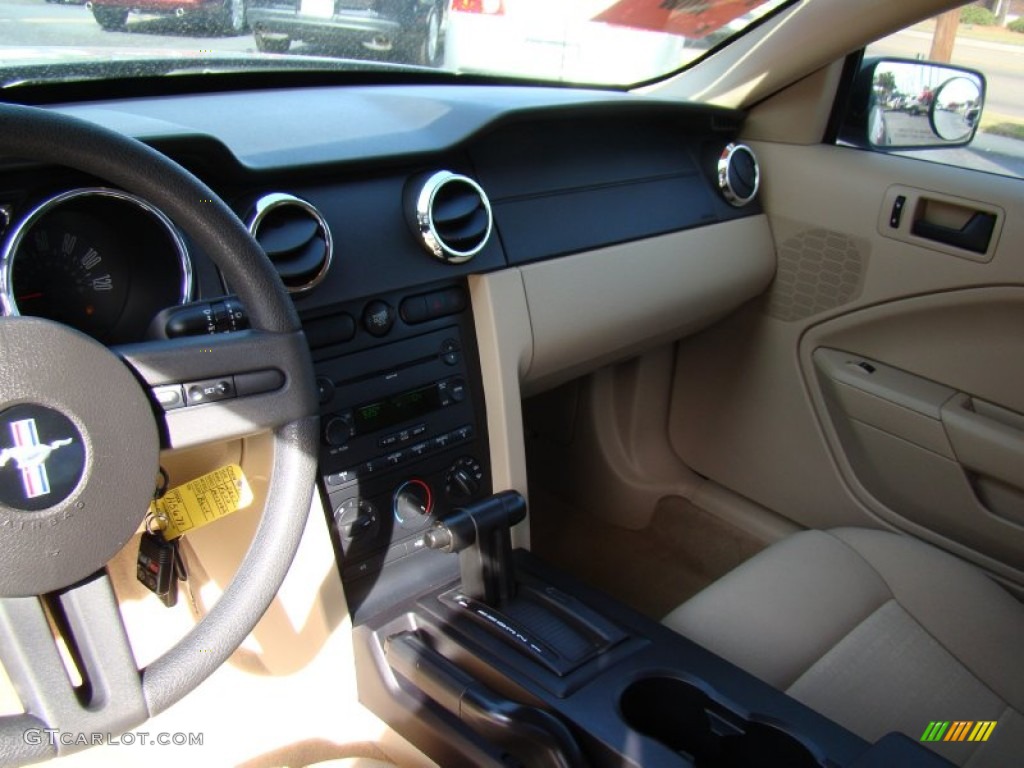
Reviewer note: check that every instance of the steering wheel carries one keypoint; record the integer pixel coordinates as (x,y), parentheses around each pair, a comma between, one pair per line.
(105,434)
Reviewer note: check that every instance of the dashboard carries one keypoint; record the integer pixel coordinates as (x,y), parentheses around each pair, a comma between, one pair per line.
(623,221)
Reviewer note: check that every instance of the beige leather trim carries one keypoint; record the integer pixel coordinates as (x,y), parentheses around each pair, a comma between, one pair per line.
(598,307)
(814,34)
(502,321)
(798,114)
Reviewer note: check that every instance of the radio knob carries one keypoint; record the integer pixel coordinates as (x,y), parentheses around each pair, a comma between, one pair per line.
(338,430)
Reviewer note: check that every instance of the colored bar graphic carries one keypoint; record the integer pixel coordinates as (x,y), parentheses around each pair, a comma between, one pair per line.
(935,731)
(959,730)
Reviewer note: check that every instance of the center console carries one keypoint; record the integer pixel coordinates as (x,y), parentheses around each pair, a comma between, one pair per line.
(404,438)
(484,656)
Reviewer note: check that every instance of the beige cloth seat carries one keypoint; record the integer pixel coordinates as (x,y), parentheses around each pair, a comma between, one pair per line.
(877,631)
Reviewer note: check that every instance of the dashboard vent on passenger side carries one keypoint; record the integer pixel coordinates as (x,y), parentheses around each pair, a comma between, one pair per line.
(296,237)
(739,175)
(450,214)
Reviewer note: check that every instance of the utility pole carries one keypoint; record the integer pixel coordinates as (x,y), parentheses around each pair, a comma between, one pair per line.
(945,35)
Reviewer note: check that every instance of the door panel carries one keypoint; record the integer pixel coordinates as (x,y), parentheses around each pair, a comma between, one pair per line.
(756,409)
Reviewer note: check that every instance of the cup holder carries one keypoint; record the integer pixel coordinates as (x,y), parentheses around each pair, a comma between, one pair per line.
(689,721)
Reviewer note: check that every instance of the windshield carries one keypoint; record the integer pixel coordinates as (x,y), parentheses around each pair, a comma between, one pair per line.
(595,42)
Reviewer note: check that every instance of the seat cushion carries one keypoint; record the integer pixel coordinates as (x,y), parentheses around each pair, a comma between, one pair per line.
(878,631)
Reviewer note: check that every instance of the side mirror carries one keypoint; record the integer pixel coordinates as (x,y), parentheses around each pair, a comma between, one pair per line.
(908,104)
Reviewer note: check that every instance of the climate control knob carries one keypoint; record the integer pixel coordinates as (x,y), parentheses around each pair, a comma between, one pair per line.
(356,518)
(463,478)
(412,504)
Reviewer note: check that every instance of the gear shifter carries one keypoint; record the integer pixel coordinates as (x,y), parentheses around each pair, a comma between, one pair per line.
(480,534)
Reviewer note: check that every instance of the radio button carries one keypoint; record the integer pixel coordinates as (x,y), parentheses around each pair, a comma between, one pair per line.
(457,388)
(419,429)
(419,449)
(462,433)
(374,465)
(450,352)
(387,441)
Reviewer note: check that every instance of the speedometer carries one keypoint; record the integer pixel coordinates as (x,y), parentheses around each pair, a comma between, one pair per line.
(99,260)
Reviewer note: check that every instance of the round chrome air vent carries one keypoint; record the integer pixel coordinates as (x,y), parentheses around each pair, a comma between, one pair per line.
(739,175)
(296,237)
(451,215)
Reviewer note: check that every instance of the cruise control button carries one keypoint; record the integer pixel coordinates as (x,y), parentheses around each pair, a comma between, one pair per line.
(209,391)
(169,397)
(258,382)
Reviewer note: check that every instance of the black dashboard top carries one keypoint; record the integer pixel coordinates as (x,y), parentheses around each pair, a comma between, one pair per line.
(284,129)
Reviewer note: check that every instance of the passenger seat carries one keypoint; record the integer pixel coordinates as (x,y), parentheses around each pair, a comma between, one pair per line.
(879,632)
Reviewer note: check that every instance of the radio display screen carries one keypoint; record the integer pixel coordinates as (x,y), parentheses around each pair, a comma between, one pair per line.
(396,409)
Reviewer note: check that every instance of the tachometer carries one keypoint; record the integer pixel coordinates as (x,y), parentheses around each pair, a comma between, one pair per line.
(99,260)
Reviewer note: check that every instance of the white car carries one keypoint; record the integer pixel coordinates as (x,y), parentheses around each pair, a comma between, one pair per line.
(536,38)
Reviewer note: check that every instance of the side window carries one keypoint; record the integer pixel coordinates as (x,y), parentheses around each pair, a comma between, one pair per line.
(986,36)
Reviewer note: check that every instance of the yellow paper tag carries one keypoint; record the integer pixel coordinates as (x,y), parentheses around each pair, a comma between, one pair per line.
(202,501)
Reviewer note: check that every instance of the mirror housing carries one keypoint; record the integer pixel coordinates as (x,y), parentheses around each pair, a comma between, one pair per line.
(904,104)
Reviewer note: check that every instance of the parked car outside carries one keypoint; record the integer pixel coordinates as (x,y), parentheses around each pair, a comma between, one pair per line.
(585,41)
(408,30)
(218,15)
(535,38)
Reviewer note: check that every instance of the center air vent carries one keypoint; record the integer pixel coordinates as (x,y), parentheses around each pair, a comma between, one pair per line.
(451,215)
(738,174)
(295,237)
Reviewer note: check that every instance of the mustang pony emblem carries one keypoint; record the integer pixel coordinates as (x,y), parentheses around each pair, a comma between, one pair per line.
(30,455)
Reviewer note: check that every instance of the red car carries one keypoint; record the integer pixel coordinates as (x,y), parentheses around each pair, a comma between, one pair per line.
(223,15)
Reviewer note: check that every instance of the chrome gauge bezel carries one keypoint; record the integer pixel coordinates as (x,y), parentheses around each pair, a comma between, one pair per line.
(8,303)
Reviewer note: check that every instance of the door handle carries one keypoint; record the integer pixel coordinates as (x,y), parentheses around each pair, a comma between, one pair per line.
(986,438)
(973,236)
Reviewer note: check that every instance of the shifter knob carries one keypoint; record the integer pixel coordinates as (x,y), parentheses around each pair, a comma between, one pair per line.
(480,534)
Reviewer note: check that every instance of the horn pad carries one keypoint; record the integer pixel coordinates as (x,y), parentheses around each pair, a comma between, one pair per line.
(79,456)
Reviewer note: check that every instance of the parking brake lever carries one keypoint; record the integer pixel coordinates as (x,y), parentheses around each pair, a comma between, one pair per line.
(480,534)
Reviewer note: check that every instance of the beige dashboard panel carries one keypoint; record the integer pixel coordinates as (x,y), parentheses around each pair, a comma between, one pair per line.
(594,308)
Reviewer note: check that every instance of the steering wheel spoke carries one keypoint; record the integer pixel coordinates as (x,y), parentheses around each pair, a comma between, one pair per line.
(220,387)
(109,698)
